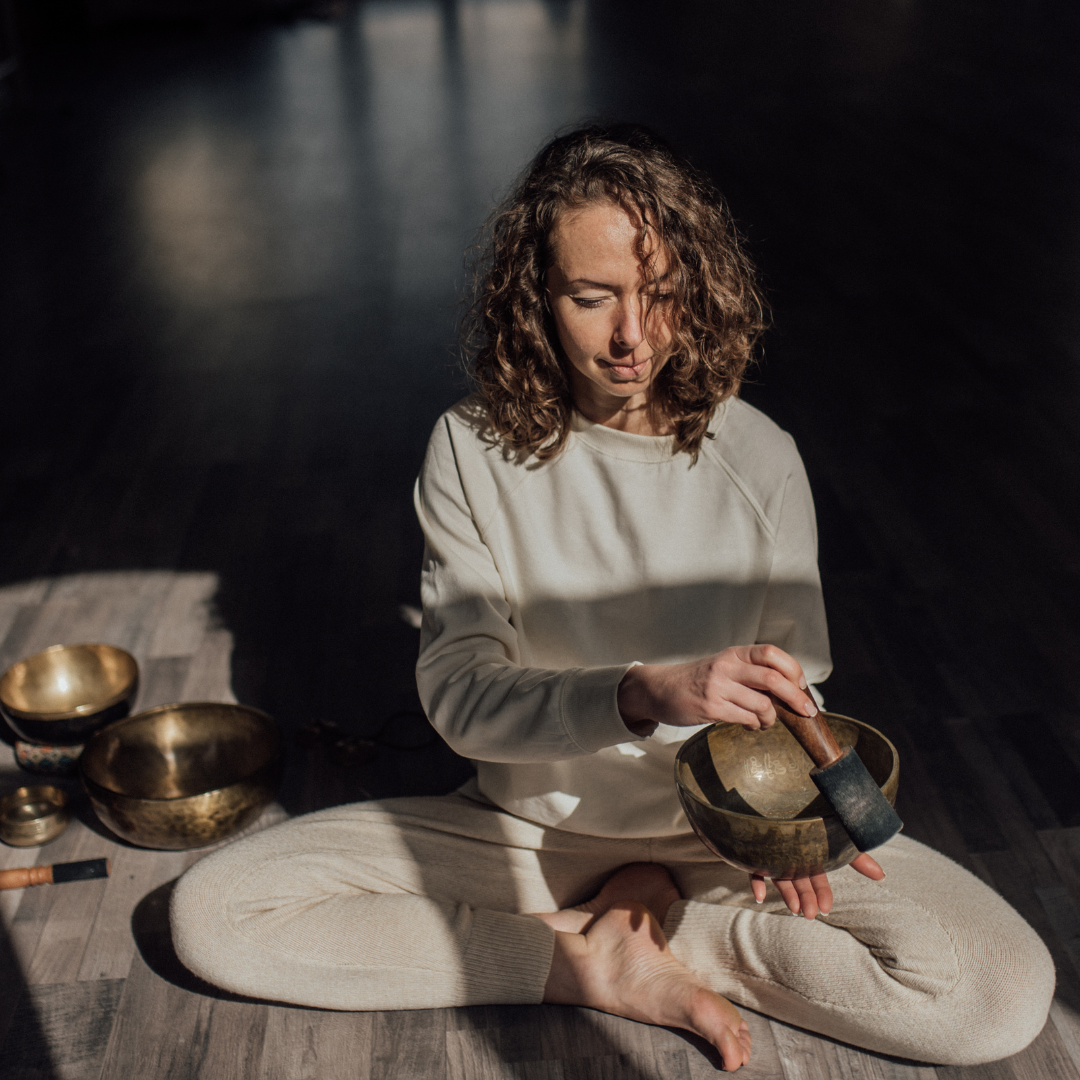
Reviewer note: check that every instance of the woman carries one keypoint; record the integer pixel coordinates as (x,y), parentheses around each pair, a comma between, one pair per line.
(618,551)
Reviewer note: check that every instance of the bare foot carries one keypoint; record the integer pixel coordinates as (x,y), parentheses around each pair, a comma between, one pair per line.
(646,883)
(622,965)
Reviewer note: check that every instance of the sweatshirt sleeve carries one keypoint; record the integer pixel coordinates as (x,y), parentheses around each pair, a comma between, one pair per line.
(793,616)
(472,686)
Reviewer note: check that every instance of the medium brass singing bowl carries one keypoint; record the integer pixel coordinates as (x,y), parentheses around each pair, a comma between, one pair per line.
(183,776)
(750,798)
(64,694)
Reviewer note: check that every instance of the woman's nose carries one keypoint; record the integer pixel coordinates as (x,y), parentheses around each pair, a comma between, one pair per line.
(628,333)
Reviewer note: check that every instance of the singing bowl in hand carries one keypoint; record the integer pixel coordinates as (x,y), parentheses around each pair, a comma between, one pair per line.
(750,798)
(183,776)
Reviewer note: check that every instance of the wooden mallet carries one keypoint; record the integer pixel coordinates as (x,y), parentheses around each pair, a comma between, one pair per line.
(54,875)
(842,778)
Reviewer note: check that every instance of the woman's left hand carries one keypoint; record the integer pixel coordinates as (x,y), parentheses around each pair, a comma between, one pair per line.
(810,895)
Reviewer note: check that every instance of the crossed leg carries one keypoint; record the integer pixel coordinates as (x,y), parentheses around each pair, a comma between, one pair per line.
(420,903)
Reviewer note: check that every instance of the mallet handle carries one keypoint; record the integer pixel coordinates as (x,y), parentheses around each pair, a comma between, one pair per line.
(812,733)
(24,876)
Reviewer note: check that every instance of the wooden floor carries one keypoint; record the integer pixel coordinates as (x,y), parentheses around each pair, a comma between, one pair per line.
(230,256)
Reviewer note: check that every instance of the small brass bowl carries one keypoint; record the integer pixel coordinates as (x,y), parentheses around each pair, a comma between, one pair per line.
(182,776)
(30,816)
(750,798)
(62,695)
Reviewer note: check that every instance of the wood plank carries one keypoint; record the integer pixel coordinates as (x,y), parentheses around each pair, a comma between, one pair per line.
(926,815)
(409,1045)
(33,914)
(1038,768)
(160,1029)
(12,777)
(9,612)
(167,1031)
(309,1044)
(805,1056)
(209,677)
(569,1033)
(1064,918)
(31,592)
(977,865)
(45,625)
(61,1031)
(110,945)
(1066,1019)
(510,1033)
(185,617)
(162,681)
(143,614)
(1045,1059)
(68,920)
(12,985)
(232,1049)
(115,606)
(1020,891)
(1008,811)
(471,1054)
(12,647)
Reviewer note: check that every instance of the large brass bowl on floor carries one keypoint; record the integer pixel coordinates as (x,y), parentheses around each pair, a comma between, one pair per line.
(750,799)
(64,694)
(183,776)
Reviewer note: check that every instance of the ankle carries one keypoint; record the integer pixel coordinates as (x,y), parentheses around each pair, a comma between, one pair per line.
(563,986)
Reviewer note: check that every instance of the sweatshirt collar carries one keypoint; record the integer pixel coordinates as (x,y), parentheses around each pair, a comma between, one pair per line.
(651,449)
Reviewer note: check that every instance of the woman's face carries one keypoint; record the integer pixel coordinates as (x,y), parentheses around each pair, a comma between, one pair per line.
(596,290)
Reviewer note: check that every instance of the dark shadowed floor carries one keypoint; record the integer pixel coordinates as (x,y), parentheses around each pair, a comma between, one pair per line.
(231,257)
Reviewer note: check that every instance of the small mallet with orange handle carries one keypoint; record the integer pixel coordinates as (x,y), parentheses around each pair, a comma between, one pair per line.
(54,875)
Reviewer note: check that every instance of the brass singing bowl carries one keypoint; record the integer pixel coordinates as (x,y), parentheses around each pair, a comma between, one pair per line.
(750,798)
(183,776)
(62,695)
(30,816)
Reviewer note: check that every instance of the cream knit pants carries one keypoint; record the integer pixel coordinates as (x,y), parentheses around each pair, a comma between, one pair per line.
(421,903)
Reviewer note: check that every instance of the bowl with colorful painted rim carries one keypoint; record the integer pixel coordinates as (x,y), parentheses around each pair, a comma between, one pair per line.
(750,798)
(44,760)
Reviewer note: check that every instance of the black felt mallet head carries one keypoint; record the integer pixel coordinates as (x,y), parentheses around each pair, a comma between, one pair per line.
(842,778)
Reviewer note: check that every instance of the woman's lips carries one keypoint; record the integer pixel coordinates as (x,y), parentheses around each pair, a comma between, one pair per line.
(626,371)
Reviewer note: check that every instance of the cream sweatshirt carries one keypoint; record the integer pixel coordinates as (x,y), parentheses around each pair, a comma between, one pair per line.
(543,583)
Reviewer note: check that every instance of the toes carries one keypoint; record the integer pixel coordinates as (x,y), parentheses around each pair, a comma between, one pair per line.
(733,1052)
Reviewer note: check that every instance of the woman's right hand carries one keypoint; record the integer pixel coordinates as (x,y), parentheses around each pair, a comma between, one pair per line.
(731,687)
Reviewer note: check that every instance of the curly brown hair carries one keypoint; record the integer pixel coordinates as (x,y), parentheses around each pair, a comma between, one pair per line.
(715,311)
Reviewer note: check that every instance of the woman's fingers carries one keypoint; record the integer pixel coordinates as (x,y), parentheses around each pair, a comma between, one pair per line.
(822,892)
(789,895)
(782,678)
(745,706)
(758,887)
(809,896)
(773,656)
(868,867)
(730,687)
